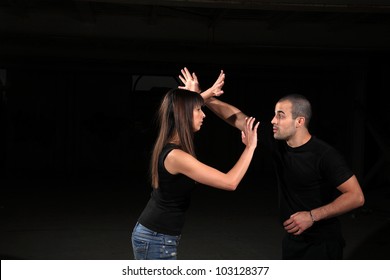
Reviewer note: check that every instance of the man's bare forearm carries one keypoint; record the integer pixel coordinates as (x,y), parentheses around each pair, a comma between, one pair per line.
(227,112)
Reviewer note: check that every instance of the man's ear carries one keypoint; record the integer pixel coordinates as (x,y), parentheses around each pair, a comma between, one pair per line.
(301,121)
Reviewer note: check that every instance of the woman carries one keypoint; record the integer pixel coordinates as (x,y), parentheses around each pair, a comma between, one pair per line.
(175,171)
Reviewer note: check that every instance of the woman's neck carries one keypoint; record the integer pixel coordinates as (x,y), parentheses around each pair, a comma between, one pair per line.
(175,140)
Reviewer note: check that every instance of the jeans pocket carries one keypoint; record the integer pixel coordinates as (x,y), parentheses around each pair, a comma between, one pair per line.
(140,249)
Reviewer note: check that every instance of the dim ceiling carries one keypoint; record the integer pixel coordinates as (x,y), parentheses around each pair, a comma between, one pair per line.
(171,30)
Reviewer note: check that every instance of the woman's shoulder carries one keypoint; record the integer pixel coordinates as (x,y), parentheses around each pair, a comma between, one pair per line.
(168,148)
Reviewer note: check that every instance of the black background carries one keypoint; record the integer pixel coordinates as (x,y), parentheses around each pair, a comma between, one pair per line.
(77,128)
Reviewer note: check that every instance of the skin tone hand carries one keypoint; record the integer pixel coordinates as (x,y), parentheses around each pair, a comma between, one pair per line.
(249,135)
(298,222)
(191,82)
(216,88)
(178,161)
(351,197)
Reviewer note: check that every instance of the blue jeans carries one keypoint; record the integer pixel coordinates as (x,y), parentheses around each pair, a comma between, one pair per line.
(151,245)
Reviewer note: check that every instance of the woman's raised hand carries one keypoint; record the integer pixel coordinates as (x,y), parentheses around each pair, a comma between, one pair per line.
(249,135)
(189,80)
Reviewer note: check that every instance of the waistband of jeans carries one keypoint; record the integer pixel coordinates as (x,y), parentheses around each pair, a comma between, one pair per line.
(158,234)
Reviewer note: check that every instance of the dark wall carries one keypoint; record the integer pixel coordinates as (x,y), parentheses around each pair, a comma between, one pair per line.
(83,123)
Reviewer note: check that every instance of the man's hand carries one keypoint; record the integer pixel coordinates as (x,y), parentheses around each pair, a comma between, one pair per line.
(298,222)
(216,88)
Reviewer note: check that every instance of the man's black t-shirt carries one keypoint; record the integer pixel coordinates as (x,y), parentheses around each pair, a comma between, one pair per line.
(308,177)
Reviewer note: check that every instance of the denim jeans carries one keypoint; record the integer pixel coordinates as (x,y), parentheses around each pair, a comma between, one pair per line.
(151,245)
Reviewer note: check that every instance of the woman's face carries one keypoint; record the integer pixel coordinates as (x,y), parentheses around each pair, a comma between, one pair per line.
(198,116)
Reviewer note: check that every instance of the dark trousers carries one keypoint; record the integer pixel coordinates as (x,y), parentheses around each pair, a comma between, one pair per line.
(300,248)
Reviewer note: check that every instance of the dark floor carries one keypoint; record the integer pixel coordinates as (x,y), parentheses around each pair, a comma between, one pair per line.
(89,222)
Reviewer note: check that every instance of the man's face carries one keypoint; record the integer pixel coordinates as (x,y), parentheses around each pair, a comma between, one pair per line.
(283,124)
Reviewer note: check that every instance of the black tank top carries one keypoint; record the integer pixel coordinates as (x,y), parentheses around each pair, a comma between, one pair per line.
(165,211)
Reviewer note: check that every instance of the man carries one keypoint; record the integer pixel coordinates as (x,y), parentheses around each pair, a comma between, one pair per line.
(314,182)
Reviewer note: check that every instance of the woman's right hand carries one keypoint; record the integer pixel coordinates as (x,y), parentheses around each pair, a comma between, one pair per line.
(189,80)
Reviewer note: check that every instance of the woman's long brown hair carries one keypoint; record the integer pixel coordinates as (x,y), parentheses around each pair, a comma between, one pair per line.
(175,117)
